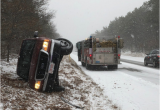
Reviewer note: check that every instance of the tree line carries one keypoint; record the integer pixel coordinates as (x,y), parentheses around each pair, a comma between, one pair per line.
(139,28)
(19,20)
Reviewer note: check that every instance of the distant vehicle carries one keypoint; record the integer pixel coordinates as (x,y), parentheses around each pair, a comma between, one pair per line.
(39,61)
(152,58)
(95,52)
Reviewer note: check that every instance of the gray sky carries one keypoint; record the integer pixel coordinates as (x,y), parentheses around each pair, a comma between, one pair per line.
(77,19)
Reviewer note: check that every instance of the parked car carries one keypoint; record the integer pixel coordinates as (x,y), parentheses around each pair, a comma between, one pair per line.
(152,58)
(39,61)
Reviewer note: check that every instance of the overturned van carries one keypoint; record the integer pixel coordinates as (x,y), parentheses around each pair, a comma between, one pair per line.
(39,61)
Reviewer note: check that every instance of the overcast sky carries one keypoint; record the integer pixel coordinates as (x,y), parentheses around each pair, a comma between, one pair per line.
(78,19)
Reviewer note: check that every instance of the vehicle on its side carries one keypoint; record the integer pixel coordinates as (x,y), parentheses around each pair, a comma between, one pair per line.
(100,52)
(152,58)
(39,61)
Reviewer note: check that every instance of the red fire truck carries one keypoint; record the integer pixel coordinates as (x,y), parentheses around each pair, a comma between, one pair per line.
(95,51)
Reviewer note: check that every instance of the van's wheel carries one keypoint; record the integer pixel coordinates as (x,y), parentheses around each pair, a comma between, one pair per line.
(66,46)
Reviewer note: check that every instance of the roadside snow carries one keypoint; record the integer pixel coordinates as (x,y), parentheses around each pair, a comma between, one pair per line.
(139,57)
(126,91)
(80,90)
(133,54)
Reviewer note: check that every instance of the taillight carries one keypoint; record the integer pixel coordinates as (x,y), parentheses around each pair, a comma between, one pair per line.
(119,56)
(158,55)
(90,55)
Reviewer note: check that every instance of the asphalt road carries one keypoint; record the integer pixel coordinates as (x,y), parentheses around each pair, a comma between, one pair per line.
(134,68)
(138,63)
(133,62)
(147,73)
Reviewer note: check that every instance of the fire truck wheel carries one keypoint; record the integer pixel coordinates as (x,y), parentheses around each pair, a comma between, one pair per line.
(115,66)
(83,64)
(109,67)
(87,66)
(112,66)
(66,46)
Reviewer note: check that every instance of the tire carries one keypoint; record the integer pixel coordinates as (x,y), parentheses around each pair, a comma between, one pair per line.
(145,63)
(87,66)
(115,66)
(83,64)
(154,64)
(110,67)
(66,46)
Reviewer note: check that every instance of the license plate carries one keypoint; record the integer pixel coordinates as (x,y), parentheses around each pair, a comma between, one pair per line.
(97,61)
(51,68)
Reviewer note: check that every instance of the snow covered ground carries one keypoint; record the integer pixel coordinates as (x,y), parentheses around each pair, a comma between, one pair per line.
(148,73)
(139,57)
(100,89)
(127,91)
(80,90)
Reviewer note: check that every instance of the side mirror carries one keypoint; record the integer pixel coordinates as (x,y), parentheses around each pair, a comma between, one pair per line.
(78,45)
(120,43)
(36,34)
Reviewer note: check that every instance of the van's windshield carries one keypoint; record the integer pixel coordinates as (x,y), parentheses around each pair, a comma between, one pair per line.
(25,58)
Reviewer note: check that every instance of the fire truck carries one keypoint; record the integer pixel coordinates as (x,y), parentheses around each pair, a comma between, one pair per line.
(100,52)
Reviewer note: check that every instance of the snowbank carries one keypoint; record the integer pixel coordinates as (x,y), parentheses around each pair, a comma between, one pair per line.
(80,89)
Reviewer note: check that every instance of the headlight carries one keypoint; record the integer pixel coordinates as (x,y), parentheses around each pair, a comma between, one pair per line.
(45,45)
(37,84)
